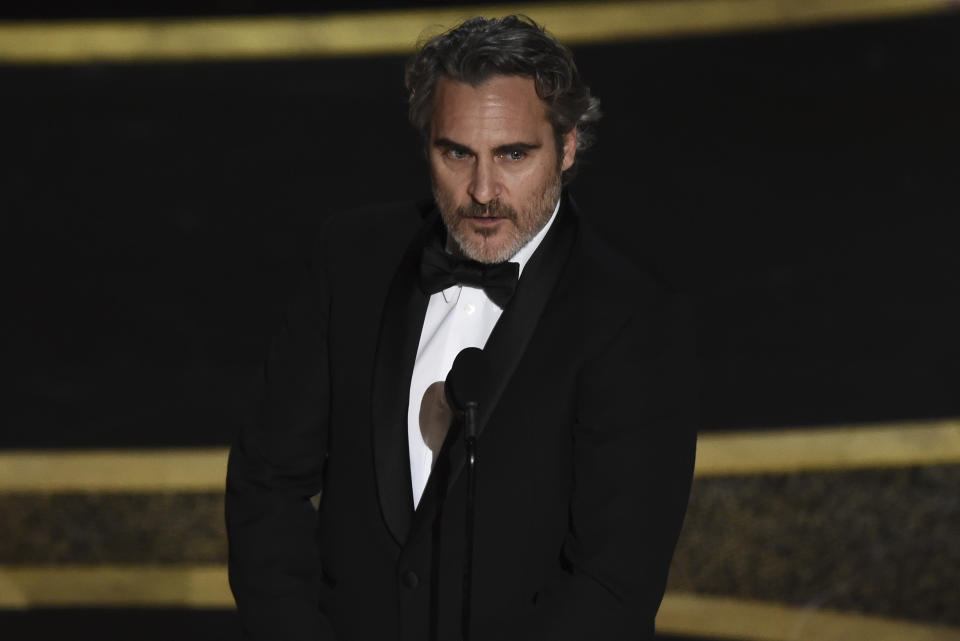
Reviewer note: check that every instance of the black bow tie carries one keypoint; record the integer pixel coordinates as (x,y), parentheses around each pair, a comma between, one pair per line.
(439,270)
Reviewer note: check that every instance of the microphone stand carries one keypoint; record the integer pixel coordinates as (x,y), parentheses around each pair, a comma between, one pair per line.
(470,443)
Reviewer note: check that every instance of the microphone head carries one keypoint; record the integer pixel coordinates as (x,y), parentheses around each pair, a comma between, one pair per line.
(469,379)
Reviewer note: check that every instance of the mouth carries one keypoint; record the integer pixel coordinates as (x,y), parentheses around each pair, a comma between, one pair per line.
(485,221)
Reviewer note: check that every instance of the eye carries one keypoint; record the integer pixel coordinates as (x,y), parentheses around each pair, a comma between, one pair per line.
(456,154)
(516,154)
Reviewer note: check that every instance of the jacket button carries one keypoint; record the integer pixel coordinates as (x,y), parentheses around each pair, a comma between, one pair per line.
(410,579)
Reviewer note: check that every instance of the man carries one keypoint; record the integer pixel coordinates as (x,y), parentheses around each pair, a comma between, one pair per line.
(586,436)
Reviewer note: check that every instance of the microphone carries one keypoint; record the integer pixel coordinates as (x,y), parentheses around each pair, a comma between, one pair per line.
(469,381)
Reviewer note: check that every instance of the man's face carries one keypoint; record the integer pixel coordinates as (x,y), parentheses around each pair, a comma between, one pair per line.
(494,164)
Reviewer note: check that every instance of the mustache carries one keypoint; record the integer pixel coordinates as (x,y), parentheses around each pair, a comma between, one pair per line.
(492,209)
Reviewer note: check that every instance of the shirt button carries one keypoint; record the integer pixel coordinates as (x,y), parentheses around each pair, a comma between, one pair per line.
(469,308)
(410,579)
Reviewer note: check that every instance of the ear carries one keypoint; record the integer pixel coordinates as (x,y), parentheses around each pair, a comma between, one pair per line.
(569,149)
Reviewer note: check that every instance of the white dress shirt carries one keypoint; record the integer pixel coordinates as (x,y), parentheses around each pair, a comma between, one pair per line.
(457,317)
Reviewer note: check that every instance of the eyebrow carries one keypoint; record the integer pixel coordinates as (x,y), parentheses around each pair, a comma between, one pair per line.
(516,146)
(446,143)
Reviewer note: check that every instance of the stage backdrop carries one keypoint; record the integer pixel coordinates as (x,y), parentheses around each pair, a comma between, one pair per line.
(800,185)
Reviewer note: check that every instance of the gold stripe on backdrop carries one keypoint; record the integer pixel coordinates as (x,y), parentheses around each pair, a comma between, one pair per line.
(715,617)
(120,586)
(162,470)
(833,448)
(395,32)
(197,587)
(718,454)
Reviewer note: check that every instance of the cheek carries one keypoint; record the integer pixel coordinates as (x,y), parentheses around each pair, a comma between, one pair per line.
(529,181)
(442,186)
(450,187)
(531,177)
(446,195)
(442,174)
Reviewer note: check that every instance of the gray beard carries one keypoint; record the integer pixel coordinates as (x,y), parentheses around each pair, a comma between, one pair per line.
(474,248)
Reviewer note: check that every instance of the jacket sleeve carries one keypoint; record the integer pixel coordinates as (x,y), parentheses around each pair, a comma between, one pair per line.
(634,449)
(275,467)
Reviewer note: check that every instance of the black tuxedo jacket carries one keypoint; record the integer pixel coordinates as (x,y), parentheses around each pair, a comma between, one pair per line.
(585,453)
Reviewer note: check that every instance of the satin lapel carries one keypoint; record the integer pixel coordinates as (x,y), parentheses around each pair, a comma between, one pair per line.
(400,328)
(506,346)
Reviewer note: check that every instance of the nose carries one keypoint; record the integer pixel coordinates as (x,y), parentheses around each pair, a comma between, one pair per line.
(485,185)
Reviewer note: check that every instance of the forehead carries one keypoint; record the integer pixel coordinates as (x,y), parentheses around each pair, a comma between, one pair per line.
(504,107)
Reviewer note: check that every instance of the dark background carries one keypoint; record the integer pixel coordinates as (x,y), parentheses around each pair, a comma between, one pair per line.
(799,184)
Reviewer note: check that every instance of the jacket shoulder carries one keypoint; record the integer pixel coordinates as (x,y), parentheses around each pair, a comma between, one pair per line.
(607,274)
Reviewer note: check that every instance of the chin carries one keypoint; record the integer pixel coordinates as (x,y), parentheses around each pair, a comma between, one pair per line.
(487,249)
